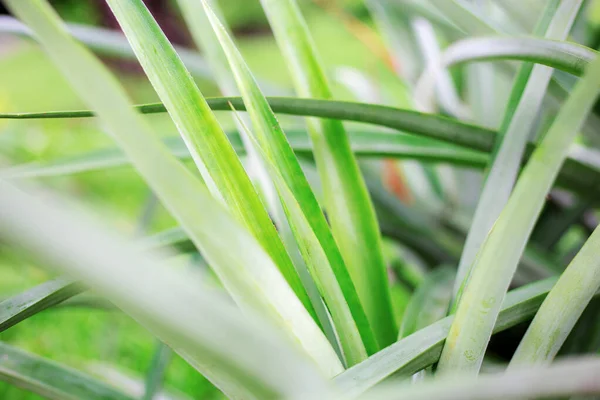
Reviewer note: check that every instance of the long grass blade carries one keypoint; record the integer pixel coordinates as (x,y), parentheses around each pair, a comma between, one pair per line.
(51,380)
(105,42)
(423,348)
(206,39)
(314,238)
(562,308)
(364,145)
(430,301)
(570,57)
(248,273)
(22,306)
(565,56)
(524,104)
(166,301)
(347,202)
(465,17)
(578,173)
(573,377)
(497,260)
(213,154)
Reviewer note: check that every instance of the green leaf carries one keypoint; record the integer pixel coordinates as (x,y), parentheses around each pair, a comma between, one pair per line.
(578,173)
(565,56)
(562,308)
(23,305)
(573,377)
(110,43)
(497,260)
(429,302)
(207,40)
(364,144)
(463,15)
(524,104)
(423,348)
(166,301)
(310,228)
(158,368)
(213,154)
(51,380)
(106,43)
(347,201)
(249,273)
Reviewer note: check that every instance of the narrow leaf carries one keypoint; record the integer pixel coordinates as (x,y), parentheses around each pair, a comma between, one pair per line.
(524,104)
(573,377)
(213,154)
(562,308)
(497,260)
(166,301)
(207,40)
(423,348)
(578,173)
(248,273)
(22,306)
(49,379)
(314,238)
(347,202)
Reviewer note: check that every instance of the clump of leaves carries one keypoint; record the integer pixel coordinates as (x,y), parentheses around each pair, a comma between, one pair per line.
(304,304)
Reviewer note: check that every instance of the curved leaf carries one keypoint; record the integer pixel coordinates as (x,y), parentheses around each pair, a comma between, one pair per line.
(577,174)
(573,377)
(22,306)
(562,308)
(497,260)
(51,380)
(312,233)
(423,348)
(248,273)
(221,169)
(350,210)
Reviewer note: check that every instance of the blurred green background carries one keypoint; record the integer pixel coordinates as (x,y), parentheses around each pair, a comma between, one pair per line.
(109,344)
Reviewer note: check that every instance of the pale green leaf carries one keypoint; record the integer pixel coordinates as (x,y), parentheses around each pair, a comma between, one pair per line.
(497,260)
(213,154)
(347,202)
(51,380)
(248,273)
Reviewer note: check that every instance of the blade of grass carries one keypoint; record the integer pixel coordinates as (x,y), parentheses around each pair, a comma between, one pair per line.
(524,104)
(248,273)
(577,173)
(158,368)
(564,56)
(497,260)
(573,377)
(165,301)
(429,303)
(22,306)
(347,202)
(465,17)
(207,40)
(562,308)
(423,348)
(213,154)
(49,379)
(113,44)
(364,144)
(106,43)
(314,238)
